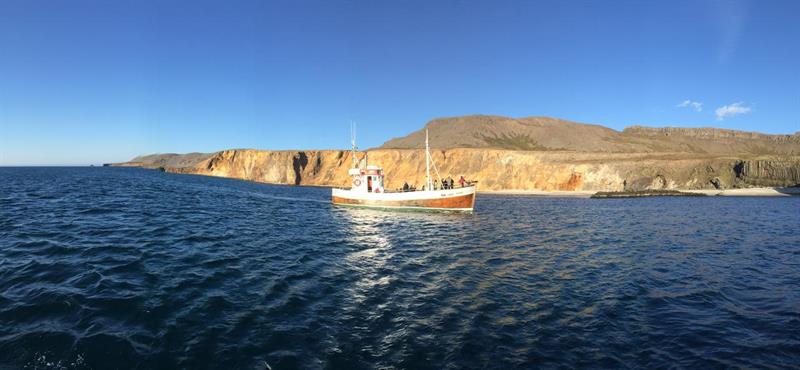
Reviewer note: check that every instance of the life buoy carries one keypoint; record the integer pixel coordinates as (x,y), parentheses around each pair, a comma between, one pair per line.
(357,182)
(377,190)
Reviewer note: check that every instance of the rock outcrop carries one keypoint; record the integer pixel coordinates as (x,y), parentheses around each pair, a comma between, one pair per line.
(707,133)
(776,172)
(171,160)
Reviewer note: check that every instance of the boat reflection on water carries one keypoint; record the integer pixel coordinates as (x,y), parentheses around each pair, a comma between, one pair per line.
(374,242)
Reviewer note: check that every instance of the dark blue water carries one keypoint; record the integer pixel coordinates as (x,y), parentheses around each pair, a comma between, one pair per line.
(130,268)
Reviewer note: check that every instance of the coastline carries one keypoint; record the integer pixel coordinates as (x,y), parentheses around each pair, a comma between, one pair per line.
(742,192)
(528,173)
(750,192)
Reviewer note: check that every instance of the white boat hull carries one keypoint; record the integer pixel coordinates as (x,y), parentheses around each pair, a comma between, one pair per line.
(458,199)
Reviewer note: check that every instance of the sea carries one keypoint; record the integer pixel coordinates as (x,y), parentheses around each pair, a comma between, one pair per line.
(127,268)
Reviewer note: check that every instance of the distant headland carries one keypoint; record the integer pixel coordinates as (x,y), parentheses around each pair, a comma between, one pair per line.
(534,154)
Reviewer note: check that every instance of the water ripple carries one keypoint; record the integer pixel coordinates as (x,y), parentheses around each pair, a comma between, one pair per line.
(128,268)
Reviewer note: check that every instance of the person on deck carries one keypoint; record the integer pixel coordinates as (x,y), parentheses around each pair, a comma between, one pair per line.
(405,186)
(462,181)
(435,184)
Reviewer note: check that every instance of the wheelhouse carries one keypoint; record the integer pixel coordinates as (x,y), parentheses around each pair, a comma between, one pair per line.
(367,180)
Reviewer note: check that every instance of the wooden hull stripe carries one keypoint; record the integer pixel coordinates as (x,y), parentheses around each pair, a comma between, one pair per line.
(466,201)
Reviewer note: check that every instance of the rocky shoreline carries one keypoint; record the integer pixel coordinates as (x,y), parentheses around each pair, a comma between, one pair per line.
(644,193)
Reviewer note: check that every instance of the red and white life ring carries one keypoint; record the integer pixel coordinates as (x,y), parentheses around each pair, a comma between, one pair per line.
(377,190)
(356,182)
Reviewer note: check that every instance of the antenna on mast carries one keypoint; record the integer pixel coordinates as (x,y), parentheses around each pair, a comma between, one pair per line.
(353,142)
(428,162)
(428,183)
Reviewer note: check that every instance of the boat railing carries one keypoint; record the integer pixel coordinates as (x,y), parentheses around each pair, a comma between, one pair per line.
(469,184)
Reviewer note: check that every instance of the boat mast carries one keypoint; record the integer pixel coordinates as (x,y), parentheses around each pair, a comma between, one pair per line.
(428,184)
(353,141)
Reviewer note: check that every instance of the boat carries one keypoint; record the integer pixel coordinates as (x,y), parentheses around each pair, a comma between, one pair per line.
(368,189)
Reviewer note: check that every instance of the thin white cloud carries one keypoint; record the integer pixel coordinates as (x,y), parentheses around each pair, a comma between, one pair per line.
(730,18)
(697,106)
(731,110)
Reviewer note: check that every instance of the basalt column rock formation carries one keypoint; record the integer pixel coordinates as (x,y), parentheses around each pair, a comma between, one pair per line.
(776,172)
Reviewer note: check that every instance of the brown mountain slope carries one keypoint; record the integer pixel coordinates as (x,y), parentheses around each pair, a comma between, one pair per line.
(171,159)
(548,134)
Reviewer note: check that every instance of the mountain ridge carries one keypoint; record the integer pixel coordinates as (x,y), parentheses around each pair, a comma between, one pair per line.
(555,134)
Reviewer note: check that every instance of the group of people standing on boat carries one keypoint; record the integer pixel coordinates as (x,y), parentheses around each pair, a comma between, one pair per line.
(447,183)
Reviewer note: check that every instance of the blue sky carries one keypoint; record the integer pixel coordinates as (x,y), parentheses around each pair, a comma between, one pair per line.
(97,81)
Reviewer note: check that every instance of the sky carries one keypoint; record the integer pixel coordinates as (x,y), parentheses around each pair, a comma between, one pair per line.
(87,82)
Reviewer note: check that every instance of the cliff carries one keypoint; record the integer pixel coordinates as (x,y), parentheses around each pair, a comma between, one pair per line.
(497,169)
(534,153)
(172,160)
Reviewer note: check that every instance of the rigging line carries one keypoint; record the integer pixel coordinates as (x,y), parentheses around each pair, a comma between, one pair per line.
(437,170)
(432,161)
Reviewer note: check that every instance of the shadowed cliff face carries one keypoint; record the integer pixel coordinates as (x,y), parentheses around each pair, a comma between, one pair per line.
(299,163)
(777,172)
(507,169)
